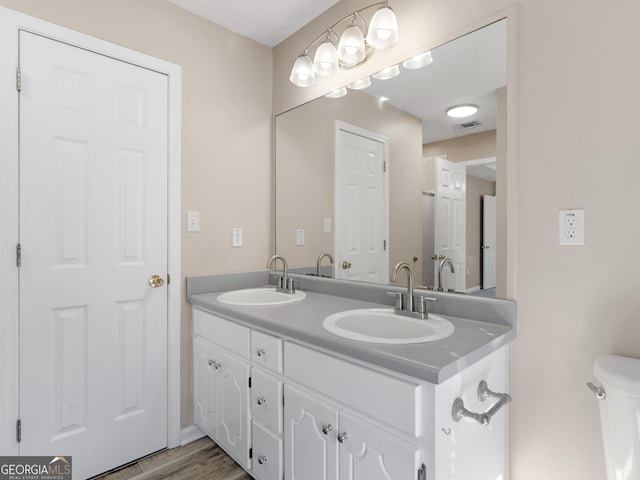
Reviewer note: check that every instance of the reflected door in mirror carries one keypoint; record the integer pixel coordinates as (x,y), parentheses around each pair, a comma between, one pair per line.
(361,206)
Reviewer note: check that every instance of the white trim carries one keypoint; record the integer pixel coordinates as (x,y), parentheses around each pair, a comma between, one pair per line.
(11,23)
(190,434)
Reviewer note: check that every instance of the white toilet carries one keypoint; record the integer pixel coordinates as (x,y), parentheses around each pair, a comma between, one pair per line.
(620,415)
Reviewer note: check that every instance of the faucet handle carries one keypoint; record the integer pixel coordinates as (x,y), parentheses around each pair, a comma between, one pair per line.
(290,285)
(398,299)
(420,303)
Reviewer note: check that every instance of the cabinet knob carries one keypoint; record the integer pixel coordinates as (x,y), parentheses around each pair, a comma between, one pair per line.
(261,400)
(214,364)
(326,429)
(260,352)
(342,436)
(346,265)
(262,459)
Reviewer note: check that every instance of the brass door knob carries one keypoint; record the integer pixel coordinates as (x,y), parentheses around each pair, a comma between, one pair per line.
(156,281)
(346,265)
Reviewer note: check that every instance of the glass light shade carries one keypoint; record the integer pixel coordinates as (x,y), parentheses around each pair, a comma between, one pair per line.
(360,84)
(340,92)
(302,74)
(351,46)
(387,73)
(461,111)
(383,29)
(325,61)
(419,61)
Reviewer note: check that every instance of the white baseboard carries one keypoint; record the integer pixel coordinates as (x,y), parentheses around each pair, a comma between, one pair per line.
(473,289)
(190,434)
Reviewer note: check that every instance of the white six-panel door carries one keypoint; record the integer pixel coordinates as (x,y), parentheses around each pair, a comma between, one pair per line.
(93,230)
(361,206)
(450,222)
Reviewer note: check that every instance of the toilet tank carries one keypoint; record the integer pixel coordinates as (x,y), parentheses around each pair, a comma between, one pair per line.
(620,415)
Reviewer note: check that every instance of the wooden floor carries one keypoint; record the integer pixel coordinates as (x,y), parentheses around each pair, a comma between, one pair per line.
(201,459)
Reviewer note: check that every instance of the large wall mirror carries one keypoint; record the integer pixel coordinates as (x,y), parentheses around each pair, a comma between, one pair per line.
(383,175)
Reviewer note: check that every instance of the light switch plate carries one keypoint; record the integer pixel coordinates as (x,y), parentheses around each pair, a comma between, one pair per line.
(300,237)
(327,225)
(236,237)
(571,227)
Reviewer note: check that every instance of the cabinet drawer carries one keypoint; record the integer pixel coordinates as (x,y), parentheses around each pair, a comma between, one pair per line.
(266,351)
(267,454)
(266,400)
(392,400)
(229,335)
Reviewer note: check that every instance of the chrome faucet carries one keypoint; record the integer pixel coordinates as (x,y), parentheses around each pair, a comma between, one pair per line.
(320,257)
(407,303)
(285,284)
(443,263)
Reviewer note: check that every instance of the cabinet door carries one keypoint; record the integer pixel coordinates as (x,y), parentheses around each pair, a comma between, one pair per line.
(204,391)
(233,422)
(367,452)
(310,444)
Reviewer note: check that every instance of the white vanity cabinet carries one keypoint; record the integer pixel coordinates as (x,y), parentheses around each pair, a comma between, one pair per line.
(288,411)
(221,383)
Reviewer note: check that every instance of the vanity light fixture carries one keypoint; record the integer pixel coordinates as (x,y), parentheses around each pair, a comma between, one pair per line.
(340,92)
(387,73)
(461,111)
(360,84)
(353,47)
(418,61)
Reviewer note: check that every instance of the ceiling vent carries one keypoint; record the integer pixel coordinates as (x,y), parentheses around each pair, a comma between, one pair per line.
(463,128)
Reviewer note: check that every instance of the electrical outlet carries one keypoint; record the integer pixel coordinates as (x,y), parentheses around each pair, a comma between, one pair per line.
(571,227)
(193,221)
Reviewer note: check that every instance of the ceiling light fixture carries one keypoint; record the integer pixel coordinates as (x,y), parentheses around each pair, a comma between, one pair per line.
(461,111)
(353,47)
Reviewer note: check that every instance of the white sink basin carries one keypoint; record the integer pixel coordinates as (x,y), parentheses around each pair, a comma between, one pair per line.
(259,297)
(381,325)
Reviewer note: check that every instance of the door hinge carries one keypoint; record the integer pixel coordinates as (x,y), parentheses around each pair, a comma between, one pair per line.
(18,79)
(19,255)
(168,279)
(249,382)
(18,430)
(422,472)
(251,453)
(384,245)
(384,166)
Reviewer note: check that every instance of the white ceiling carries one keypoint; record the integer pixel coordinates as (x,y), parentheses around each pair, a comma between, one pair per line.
(266,22)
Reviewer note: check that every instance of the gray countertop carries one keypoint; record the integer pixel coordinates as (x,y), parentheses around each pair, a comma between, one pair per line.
(433,362)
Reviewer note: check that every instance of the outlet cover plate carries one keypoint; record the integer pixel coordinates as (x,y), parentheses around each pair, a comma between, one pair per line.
(571,227)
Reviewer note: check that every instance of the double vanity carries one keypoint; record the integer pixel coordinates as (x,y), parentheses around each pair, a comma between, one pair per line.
(332,382)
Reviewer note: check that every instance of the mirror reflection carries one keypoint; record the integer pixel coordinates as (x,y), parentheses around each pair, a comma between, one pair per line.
(384,175)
